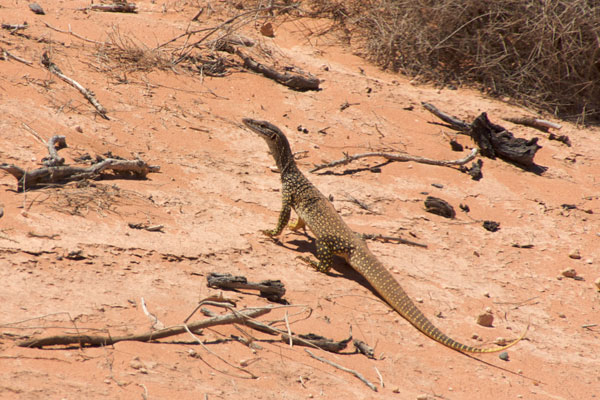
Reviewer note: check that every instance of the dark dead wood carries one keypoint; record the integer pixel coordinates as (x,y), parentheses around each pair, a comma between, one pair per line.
(494,140)
(474,171)
(385,239)
(561,138)
(396,157)
(116,7)
(15,27)
(440,207)
(273,290)
(319,341)
(239,317)
(491,226)
(88,94)
(292,80)
(364,348)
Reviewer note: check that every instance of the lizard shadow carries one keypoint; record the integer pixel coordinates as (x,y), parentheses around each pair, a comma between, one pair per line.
(340,266)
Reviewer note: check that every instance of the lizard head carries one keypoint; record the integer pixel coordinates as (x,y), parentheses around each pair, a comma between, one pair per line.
(276,140)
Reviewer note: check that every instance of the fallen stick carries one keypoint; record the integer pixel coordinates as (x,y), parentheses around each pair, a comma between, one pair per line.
(117,7)
(540,124)
(101,340)
(16,58)
(396,157)
(383,238)
(54,159)
(294,81)
(316,341)
(15,27)
(351,371)
(63,173)
(274,290)
(89,95)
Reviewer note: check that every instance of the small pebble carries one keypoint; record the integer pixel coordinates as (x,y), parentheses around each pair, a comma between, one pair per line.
(503,356)
(569,273)
(597,283)
(418,300)
(136,363)
(561,315)
(485,319)
(575,255)
(501,341)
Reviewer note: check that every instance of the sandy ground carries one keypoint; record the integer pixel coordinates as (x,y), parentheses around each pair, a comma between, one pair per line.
(216,191)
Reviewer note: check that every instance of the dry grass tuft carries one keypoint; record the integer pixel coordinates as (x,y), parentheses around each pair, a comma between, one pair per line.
(132,55)
(543,53)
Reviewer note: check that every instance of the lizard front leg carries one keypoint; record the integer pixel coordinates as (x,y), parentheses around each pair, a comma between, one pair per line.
(284,216)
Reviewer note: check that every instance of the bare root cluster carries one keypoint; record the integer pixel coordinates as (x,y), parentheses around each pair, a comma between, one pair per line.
(543,53)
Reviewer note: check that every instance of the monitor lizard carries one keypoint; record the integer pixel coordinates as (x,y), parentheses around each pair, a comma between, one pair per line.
(334,237)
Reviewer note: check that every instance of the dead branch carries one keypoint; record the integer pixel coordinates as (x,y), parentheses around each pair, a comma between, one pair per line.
(116,7)
(364,348)
(89,95)
(314,340)
(273,290)
(385,239)
(147,227)
(540,124)
(493,140)
(293,80)
(6,53)
(55,172)
(15,27)
(101,340)
(55,143)
(351,371)
(70,32)
(42,177)
(453,122)
(396,157)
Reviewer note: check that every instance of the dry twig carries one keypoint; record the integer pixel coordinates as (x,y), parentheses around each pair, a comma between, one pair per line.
(89,95)
(396,157)
(107,340)
(351,371)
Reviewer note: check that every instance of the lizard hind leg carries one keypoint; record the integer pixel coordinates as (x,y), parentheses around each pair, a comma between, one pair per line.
(324,257)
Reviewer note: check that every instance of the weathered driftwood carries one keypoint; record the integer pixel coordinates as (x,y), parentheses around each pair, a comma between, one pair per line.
(56,173)
(107,340)
(273,290)
(55,143)
(493,140)
(42,177)
(88,94)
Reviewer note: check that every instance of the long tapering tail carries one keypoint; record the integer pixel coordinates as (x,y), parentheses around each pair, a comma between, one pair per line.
(388,287)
